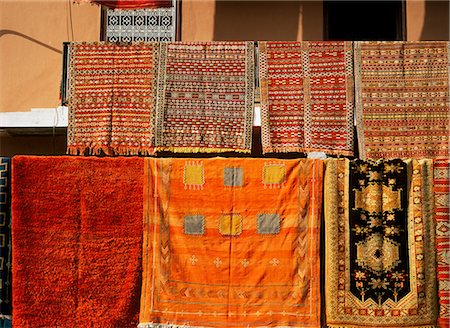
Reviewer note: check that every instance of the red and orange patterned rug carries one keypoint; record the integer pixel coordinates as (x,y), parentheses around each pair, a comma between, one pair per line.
(307,96)
(402,99)
(231,243)
(180,97)
(205,97)
(442,216)
(112,98)
(77,241)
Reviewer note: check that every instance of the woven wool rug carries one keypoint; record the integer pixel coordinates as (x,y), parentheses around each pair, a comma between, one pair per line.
(380,244)
(77,241)
(205,96)
(306,96)
(112,98)
(402,99)
(231,243)
(5,237)
(442,216)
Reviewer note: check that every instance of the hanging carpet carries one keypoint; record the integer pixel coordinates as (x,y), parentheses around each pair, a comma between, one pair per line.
(112,101)
(205,97)
(5,238)
(380,244)
(402,99)
(442,216)
(306,96)
(77,241)
(231,243)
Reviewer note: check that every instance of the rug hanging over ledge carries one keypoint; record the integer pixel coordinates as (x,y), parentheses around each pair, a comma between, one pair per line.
(5,238)
(402,99)
(442,216)
(307,97)
(112,98)
(205,97)
(231,243)
(77,240)
(130,4)
(380,244)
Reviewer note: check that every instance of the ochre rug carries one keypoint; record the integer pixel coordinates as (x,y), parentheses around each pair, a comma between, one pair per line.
(112,98)
(380,244)
(77,241)
(231,243)
(402,99)
(205,96)
(5,237)
(442,216)
(307,97)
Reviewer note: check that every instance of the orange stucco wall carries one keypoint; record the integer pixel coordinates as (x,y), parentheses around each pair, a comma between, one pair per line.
(31,37)
(251,20)
(427,20)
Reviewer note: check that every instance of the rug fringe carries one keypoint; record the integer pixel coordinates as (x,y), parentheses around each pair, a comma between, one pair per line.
(163,325)
(201,150)
(364,326)
(128,151)
(110,151)
(307,150)
(94,150)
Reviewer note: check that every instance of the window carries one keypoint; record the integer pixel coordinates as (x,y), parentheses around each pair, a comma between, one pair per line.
(364,20)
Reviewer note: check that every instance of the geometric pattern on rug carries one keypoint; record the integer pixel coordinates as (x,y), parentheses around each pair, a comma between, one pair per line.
(402,99)
(5,237)
(231,256)
(307,100)
(442,217)
(112,98)
(205,96)
(380,239)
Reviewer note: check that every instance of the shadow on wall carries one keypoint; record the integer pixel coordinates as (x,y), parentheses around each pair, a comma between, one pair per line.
(267,20)
(12,144)
(256,20)
(436,23)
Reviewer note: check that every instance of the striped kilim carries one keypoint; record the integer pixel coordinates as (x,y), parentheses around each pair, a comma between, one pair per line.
(442,216)
(402,99)
(380,244)
(205,96)
(307,96)
(231,243)
(112,100)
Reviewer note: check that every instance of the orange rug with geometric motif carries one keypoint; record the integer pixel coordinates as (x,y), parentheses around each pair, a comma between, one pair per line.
(231,243)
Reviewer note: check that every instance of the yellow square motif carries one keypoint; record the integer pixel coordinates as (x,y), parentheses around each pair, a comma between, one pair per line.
(194,175)
(274,174)
(230,224)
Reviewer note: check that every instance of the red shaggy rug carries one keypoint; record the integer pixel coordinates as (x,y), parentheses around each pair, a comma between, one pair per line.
(77,241)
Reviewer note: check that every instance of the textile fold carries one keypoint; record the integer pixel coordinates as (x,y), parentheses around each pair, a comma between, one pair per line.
(231,242)
(402,99)
(77,240)
(307,96)
(380,244)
